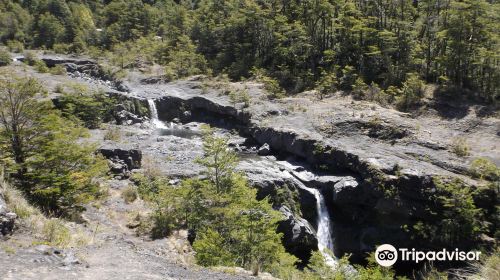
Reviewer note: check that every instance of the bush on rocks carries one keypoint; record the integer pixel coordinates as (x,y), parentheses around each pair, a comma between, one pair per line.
(5,58)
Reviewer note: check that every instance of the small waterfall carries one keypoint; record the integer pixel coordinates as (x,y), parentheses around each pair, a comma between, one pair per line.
(324,232)
(154,115)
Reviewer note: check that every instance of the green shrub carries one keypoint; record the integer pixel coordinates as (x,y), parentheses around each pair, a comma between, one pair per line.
(61,48)
(41,67)
(63,189)
(15,46)
(484,168)
(91,108)
(240,96)
(113,134)
(56,233)
(166,202)
(374,93)
(129,194)
(373,271)
(453,218)
(59,69)
(183,60)
(411,93)
(348,78)
(391,93)
(30,58)
(232,227)
(273,88)
(163,224)
(288,196)
(359,89)
(59,170)
(271,85)
(148,187)
(326,85)
(5,58)
(208,250)
(460,147)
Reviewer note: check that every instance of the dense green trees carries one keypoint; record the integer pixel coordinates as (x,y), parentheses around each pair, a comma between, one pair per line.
(232,227)
(454,219)
(41,149)
(91,108)
(62,172)
(229,226)
(302,44)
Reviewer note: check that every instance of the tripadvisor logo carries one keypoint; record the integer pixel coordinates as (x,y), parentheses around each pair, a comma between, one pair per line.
(387,255)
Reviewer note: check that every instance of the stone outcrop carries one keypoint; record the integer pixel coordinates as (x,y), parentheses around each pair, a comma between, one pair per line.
(7,218)
(122,161)
(264,150)
(124,117)
(299,237)
(86,69)
(200,109)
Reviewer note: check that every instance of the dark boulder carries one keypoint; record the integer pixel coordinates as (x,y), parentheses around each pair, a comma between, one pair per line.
(299,237)
(132,158)
(121,161)
(7,218)
(308,205)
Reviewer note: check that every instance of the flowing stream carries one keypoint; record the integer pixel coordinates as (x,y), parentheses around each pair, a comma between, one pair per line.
(324,232)
(154,115)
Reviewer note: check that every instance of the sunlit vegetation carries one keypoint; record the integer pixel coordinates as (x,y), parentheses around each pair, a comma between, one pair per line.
(331,45)
(41,152)
(389,52)
(51,231)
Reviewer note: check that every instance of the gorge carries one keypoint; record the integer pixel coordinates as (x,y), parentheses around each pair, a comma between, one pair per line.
(346,175)
(360,148)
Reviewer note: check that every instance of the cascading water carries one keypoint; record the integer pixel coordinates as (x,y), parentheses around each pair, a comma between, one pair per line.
(154,115)
(324,232)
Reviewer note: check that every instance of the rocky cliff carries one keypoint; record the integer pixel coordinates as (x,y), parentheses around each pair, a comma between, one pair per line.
(356,151)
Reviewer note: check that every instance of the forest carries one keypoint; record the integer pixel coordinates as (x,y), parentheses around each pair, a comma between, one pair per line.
(376,49)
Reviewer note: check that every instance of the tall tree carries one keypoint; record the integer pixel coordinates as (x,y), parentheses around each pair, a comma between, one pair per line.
(19,113)
(42,149)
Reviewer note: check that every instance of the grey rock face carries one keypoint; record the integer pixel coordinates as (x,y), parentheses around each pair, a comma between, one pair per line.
(345,191)
(299,237)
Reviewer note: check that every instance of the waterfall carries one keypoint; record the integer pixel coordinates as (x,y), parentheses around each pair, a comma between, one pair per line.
(154,115)
(324,232)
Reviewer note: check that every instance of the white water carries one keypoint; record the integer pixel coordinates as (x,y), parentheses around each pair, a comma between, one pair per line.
(324,232)
(154,115)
